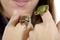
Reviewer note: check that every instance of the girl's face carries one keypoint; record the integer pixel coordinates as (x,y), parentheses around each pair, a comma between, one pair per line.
(22,7)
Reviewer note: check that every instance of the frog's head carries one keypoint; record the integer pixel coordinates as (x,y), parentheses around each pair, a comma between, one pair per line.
(41,9)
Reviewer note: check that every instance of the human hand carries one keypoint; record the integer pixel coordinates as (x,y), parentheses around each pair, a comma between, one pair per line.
(46,30)
(15,30)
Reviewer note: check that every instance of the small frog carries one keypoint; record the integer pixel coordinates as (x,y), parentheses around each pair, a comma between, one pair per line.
(36,19)
(41,9)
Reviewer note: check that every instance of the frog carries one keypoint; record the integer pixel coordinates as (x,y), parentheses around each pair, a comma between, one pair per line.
(41,9)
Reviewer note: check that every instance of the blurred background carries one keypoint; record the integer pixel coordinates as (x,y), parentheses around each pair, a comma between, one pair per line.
(57,7)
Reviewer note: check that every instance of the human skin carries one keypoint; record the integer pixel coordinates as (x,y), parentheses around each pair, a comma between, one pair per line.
(58,26)
(10,8)
(15,31)
(13,12)
(46,30)
(43,31)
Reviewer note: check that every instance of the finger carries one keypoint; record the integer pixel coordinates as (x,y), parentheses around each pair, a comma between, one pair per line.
(48,21)
(25,29)
(58,26)
(47,18)
(20,27)
(14,19)
(29,28)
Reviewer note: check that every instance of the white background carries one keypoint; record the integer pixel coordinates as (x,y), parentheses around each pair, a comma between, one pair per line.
(57,7)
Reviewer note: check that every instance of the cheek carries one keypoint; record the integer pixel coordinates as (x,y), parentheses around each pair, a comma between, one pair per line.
(5,3)
(7,7)
(34,3)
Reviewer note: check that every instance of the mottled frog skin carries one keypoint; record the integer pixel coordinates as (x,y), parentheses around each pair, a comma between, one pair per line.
(41,9)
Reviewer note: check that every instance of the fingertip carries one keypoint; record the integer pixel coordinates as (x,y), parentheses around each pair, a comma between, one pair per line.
(47,17)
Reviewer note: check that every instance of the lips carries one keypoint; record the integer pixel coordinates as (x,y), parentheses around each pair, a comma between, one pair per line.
(20,3)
